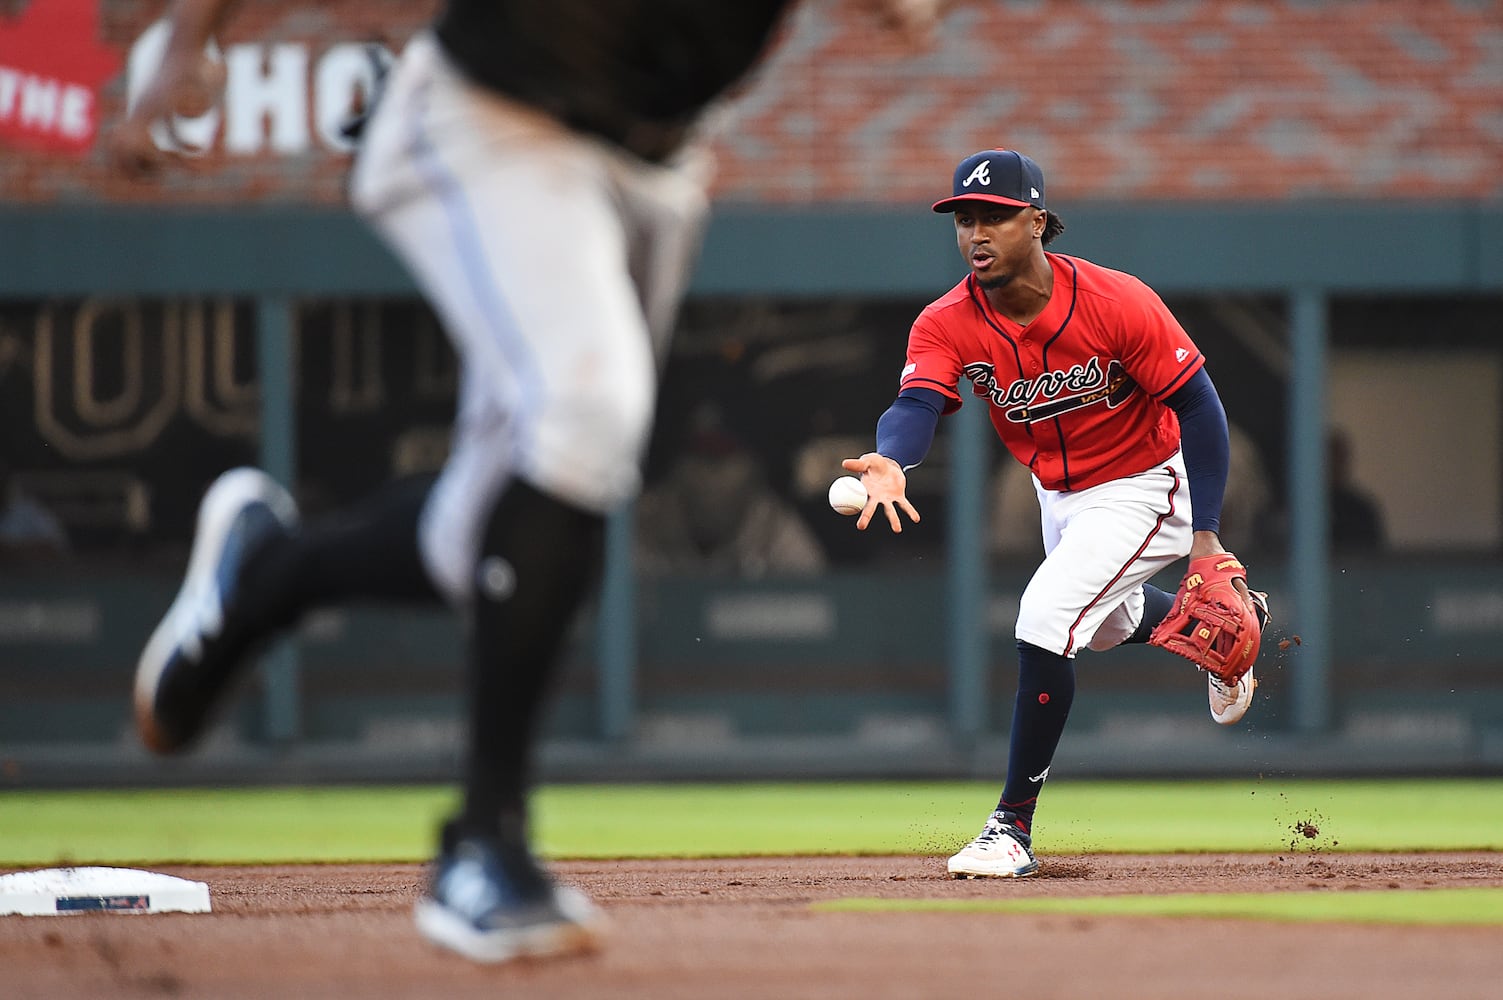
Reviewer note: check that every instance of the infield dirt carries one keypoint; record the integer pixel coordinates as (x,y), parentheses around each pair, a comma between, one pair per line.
(743,928)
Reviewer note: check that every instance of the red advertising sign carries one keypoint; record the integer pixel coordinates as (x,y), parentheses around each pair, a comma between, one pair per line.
(51,68)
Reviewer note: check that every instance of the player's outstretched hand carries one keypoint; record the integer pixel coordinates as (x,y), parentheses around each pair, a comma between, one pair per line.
(886,487)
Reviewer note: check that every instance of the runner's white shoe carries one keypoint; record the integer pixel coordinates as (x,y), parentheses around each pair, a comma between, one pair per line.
(1000,851)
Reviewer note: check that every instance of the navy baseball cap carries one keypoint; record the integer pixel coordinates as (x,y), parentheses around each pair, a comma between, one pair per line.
(1000,176)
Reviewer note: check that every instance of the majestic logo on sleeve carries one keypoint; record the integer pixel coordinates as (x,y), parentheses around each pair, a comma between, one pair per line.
(1029,400)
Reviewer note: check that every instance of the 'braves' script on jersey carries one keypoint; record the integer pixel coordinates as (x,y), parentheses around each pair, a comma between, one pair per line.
(1076,395)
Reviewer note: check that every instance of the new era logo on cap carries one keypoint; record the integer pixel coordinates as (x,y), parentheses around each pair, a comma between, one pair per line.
(1001,176)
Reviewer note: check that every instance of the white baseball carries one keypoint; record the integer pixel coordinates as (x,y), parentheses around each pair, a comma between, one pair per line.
(847,495)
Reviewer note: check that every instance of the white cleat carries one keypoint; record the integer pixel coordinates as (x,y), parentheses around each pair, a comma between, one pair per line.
(1000,851)
(1230,702)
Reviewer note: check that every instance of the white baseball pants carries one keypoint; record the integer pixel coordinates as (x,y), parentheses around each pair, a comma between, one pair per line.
(1101,545)
(556,262)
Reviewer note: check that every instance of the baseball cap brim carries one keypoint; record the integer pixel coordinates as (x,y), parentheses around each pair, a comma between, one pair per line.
(948,204)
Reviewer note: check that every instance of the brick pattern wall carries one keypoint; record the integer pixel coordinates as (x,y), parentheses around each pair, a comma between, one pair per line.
(1144,100)
(1147,100)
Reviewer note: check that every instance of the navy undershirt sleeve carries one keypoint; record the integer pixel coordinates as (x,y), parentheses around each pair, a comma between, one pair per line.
(906,430)
(1203,439)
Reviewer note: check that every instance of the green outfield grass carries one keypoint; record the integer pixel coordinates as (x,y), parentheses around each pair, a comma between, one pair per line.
(270,825)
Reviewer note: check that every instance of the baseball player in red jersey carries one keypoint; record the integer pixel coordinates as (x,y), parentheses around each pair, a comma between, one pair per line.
(1094,386)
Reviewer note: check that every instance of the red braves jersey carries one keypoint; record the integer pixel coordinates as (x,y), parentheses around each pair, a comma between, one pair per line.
(1076,395)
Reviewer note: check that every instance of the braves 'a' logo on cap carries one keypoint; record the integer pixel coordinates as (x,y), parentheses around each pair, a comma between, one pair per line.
(981,175)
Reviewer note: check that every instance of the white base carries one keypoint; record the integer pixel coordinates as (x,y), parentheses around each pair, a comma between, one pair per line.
(61,891)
